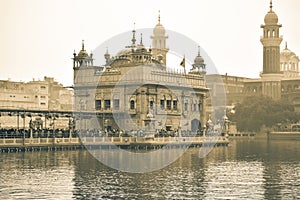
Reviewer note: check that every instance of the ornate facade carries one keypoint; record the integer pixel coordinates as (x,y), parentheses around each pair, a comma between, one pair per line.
(134,90)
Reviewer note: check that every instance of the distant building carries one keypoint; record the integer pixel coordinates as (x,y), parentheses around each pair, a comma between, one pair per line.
(19,99)
(134,90)
(280,76)
(232,87)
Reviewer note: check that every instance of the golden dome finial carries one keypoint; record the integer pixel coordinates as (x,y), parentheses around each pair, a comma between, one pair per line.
(133,35)
(141,42)
(158,16)
(271,6)
(82,44)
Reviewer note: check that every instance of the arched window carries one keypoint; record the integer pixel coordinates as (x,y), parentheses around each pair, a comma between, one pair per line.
(132,104)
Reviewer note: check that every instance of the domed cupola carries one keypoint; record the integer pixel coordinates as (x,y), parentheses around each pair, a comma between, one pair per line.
(159,39)
(159,29)
(83,53)
(271,17)
(287,52)
(289,63)
(83,58)
(199,59)
(199,67)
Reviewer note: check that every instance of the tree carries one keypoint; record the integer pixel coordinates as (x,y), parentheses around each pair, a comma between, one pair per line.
(254,112)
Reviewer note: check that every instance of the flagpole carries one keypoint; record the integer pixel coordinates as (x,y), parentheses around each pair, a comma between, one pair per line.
(184,64)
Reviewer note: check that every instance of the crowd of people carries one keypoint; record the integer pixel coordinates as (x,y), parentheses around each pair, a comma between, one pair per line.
(64,133)
(36,133)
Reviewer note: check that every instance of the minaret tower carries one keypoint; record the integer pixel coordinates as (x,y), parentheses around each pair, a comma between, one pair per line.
(159,38)
(271,42)
(271,75)
(82,60)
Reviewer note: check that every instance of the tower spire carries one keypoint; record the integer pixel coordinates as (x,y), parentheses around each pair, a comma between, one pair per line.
(141,42)
(133,35)
(82,44)
(198,50)
(271,6)
(107,56)
(286,45)
(158,16)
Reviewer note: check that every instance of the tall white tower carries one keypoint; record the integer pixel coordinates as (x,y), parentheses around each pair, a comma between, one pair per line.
(271,43)
(159,39)
(271,40)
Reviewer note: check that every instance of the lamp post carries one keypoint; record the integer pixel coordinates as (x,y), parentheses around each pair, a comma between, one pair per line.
(30,125)
(204,130)
(18,122)
(23,117)
(45,127)
(70,126)
(105,127)
(53,123)
(226,125)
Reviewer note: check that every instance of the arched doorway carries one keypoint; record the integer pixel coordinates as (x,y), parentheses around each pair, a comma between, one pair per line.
(195,125)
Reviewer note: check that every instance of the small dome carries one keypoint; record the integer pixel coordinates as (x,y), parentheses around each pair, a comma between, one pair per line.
(198,59)
(271,18)
(287,53)
(159,30)
(83,53)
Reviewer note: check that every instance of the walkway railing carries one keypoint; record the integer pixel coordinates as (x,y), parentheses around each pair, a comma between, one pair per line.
(38,141)
(103,141)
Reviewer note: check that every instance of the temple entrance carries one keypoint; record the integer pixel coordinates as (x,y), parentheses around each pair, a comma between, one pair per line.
(195,125)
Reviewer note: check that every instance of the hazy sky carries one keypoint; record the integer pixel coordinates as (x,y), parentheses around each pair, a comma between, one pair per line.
(38,37)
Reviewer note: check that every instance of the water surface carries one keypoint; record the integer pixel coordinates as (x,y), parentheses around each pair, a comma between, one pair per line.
(247,169)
